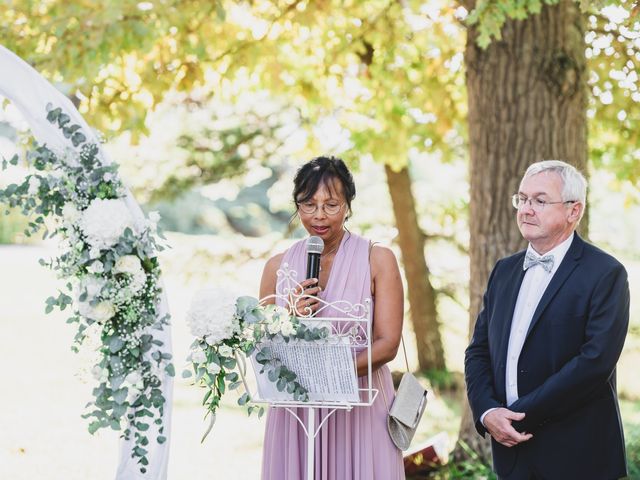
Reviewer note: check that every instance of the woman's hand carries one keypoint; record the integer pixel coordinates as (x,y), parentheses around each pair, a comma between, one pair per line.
(304,298)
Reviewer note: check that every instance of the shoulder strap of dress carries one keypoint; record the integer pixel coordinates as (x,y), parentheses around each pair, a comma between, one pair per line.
(371,244)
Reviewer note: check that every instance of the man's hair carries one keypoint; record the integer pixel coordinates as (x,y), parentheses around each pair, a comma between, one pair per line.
(574,185)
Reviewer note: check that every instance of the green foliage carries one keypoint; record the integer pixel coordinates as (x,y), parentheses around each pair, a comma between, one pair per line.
(386,71)
(490,16)
(633,453)
(613,53)
(120,56)
(443,379)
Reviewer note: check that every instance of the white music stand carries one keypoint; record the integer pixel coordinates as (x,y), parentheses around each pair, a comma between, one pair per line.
(353,328)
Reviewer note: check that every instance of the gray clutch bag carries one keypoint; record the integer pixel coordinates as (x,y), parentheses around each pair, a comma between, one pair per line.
(406,411)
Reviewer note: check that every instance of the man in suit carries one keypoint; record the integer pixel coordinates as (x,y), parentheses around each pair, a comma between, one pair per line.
(540,368)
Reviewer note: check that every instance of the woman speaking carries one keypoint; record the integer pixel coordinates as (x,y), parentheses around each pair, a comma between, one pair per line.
(351,445)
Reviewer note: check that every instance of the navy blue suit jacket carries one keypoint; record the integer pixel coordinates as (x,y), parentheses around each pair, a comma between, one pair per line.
(566,370)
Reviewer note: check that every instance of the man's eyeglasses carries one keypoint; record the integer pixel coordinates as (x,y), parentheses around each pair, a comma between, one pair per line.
(330,208)
(537,204)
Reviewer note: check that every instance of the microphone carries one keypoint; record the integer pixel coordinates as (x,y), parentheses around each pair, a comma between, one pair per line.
(315,245)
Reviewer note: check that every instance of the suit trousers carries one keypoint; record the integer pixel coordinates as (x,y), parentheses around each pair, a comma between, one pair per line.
(521,471)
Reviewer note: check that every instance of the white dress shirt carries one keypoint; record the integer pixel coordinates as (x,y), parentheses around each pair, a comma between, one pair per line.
(535,282)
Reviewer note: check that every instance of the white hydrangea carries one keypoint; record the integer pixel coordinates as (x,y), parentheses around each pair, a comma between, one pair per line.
(104,221)
(211,315)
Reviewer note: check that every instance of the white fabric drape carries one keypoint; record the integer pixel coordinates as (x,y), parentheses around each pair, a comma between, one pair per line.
(30,93)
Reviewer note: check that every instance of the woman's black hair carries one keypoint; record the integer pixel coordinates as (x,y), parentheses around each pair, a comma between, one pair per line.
(323,170)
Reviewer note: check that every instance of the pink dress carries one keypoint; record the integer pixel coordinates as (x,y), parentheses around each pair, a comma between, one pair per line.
(352,445)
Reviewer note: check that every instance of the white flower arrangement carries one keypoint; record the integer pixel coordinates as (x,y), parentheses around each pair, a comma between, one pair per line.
(104,221)
(110,262)
(224,327)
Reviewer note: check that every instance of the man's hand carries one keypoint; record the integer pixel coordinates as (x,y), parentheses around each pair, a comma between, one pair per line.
(498,424)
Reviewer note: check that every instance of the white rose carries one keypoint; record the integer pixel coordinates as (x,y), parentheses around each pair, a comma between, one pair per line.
(96,267)
(128,264)
(102,312)
(70,213)
(225,350)
(198,356)
(94,253)
(274,313)
(273,327)
(213,368)
(287,328)
(34,185)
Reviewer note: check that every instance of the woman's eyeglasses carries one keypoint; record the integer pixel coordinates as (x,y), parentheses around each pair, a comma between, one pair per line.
(330,208)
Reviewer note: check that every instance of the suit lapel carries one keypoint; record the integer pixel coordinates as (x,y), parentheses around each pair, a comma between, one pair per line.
(569,263)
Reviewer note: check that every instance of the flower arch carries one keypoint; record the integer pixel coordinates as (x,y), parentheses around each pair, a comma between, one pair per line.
(109,259)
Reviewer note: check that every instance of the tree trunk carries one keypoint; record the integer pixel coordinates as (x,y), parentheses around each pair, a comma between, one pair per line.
(527,102)
(422,298)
